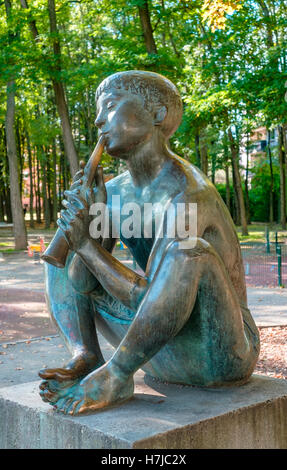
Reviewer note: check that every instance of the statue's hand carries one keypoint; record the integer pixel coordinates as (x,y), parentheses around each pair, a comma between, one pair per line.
(80,183)
(75,219)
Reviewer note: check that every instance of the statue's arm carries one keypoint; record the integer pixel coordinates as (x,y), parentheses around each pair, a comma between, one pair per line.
(82,279)
(116,278)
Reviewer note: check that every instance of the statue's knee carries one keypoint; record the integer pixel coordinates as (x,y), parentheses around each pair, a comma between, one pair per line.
(190,247)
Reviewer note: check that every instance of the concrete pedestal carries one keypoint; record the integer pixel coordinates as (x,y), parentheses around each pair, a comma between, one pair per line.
(160,416)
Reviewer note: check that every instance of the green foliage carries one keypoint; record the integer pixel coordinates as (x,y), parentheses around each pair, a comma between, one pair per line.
(218,53)
(260,189)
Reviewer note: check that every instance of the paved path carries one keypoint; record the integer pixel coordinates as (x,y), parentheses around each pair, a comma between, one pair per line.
(268,305)
(21,361)
(19,271)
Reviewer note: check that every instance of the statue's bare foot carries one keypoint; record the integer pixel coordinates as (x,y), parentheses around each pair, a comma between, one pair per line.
(60,378)
(78,367)
(100,389)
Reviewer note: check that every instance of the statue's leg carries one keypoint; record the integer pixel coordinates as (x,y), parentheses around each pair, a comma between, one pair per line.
(190,327)
(72,313)
(162,317)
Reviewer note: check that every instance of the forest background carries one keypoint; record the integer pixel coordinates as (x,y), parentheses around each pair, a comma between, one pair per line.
(227,58)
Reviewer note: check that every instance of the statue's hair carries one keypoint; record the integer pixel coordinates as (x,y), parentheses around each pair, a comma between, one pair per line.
(154,89)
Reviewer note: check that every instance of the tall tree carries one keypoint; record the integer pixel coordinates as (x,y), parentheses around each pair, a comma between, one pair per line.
(55,72)
(19,228)
(282,165)
(144,15)
(60,92)
(237,181)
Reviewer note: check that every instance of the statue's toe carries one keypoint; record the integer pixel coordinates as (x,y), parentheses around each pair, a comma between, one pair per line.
(59,374)
(68,404)
(43,385)
(48,396)
(74,407)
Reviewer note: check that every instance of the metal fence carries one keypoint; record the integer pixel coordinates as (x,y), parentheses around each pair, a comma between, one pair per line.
(265,264)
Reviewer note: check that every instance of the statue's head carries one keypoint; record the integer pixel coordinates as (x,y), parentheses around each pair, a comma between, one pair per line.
(132,105)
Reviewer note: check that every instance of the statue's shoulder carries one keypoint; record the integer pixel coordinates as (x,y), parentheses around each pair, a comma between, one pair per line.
(195,181)
(115,184)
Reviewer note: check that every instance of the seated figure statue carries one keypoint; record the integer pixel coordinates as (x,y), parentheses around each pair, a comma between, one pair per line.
(184,320)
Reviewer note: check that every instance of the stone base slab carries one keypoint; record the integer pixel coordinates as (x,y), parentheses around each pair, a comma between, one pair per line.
(159,416)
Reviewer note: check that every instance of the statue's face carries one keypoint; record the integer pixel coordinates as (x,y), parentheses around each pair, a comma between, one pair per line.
(124,121)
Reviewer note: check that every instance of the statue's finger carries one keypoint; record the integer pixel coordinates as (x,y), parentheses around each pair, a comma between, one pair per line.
(75,192)
(68,193)
(63,226)
(77,184)
(99,177)
(77,201)
(78,175)
(90,196)
(66,216)
(70,206)
(74,195)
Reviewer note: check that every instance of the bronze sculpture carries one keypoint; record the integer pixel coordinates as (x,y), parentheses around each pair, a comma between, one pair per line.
(186,319)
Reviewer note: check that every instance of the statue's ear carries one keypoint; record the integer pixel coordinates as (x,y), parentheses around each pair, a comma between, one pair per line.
(159,115)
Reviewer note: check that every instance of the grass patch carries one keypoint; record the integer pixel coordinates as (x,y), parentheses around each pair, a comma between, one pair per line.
(7,247)
(251,238)
(257,233)
(11,250)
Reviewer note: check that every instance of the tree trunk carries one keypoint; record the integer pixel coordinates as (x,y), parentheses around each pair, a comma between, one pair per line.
(54,182)
(271,200)
(7,199)
(60,93)
(268,23)
(236,208)
(246,182)
(2,177)
(237,183)
(49,184)
(197,150)
(66,127)
(63,168)
(8,208)
(213,168)
(146,28)
(32,23)
(227,188)
(227,181)
(58,87)
(38,192)
(20,154)
(19,228)
(30,179)
(44,190)
(203,153)
(282,166)
(284,129)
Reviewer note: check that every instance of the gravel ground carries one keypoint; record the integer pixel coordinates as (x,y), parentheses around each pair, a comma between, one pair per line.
(273,355)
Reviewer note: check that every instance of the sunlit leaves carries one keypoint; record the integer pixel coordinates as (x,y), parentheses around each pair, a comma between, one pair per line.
(216,11)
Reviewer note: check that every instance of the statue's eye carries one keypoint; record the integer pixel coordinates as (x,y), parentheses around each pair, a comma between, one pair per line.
(110,105)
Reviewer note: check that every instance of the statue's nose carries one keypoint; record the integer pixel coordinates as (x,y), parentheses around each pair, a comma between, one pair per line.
(100,121)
